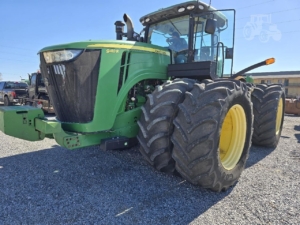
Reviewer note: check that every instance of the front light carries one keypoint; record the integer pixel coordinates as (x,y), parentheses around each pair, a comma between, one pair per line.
(63,55)
(181,9)
(190,7)
(201,7)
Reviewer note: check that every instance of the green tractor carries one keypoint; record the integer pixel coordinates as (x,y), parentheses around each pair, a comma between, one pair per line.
(170,88)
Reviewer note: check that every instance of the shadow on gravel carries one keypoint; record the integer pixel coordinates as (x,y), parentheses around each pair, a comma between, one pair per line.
(256,154)
(298,137)
(90,186)
(297,128)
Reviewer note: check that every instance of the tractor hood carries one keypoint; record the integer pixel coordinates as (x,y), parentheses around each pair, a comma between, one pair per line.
(79,77)
(133,45)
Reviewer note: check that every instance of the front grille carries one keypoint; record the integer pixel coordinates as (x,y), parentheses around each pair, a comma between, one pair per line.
(72,86)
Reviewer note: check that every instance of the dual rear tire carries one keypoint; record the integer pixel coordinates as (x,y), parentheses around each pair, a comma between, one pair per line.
(204,130)
(268,109)
(213,134)
(204,133)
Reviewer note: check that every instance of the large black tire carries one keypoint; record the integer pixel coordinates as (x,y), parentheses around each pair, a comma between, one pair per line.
(7,102)
(268,109)
(208,151)
(156,123)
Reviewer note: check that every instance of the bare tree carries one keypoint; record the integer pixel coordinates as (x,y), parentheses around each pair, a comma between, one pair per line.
(0,76)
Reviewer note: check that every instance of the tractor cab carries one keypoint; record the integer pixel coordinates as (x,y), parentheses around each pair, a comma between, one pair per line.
(199,37)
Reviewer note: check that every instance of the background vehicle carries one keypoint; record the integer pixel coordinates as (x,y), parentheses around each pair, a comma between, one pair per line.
(12,91)
(187,110)
(37,95)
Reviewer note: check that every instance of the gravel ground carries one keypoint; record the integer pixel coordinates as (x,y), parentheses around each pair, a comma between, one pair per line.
(42,183)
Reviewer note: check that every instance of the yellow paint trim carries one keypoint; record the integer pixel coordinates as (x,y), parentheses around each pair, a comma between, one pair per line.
(233,136)
(279,115)
(131,47)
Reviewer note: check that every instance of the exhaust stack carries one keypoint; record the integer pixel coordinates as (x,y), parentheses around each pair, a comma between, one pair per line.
(119,29)
(130,29)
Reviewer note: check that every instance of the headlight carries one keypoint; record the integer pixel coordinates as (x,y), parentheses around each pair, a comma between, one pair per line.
(59,56)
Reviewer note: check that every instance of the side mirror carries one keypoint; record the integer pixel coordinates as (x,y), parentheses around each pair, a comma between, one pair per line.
(210,26)
(229,53)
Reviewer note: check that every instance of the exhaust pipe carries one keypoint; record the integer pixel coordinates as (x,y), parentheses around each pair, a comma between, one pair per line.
(130,28)
(119,29)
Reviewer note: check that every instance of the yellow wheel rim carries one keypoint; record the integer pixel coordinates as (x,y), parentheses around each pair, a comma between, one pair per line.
(233,136)
(279,116)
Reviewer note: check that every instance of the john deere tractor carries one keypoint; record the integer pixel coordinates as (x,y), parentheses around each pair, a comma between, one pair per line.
(183,105)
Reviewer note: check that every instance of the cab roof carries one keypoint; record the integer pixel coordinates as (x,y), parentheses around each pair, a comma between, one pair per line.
(172,11)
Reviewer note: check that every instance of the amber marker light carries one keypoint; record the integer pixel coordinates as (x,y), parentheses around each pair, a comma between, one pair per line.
(270,61)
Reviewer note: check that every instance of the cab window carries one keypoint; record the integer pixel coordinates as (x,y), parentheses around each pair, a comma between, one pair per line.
(171,34)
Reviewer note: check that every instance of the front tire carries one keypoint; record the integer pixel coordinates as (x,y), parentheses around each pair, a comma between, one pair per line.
(7,102)
(212,134)
(156,123)
(268,109)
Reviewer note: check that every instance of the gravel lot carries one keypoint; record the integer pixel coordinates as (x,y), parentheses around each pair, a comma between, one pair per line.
(42,183)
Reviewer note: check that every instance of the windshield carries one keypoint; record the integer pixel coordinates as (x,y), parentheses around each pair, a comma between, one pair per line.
(171,33)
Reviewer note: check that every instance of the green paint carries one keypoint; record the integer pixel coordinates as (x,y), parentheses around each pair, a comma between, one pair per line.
(249,79)
(113,114)
(125,125)
(19,122)
(116,112)
(143,65)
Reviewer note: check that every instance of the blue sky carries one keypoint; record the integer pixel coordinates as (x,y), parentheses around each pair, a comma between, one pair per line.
(28,26)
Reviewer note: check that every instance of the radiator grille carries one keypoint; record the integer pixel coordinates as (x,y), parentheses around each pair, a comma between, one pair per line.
(72,86)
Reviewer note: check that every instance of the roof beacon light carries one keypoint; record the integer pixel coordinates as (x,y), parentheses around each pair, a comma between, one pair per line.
(181,9)
(201,7)
(190,7)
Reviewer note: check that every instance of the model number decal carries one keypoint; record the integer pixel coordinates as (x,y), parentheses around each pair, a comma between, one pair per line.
(112,50)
